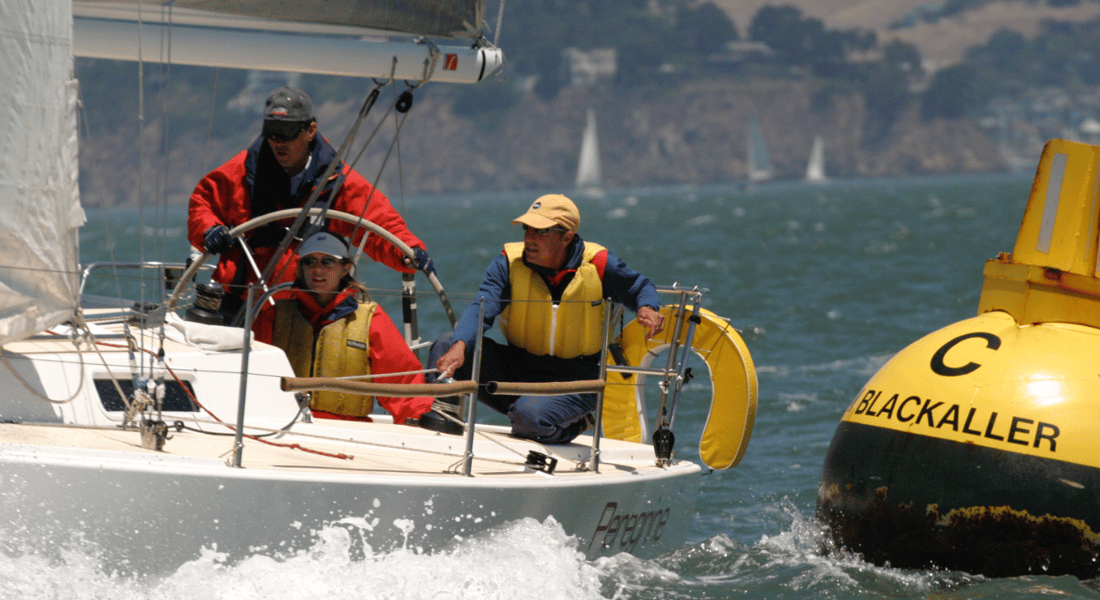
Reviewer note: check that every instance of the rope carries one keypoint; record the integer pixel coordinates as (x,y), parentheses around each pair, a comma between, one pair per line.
(35,392)
(233,427)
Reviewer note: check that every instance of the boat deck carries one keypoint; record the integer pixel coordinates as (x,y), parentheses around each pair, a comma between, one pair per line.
(314,449)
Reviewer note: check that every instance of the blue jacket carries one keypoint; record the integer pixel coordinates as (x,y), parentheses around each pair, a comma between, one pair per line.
(620,283)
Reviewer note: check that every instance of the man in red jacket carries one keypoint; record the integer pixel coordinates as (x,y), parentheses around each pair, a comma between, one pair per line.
(280,170)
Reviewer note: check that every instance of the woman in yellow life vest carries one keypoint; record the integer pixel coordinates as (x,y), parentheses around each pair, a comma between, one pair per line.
(547,292)
(329,327)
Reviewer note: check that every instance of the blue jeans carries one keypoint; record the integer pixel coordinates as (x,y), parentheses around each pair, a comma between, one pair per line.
(544,419)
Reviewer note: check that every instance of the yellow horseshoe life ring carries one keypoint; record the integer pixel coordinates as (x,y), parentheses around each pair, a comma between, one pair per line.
(732,379)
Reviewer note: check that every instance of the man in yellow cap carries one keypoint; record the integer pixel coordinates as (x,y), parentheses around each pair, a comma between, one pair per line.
(547,292)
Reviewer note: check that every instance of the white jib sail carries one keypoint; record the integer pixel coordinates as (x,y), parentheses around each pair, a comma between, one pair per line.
(815,168)
(40,211)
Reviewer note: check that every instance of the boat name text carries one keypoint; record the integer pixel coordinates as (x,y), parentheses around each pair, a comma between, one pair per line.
(924,411)
(630,530)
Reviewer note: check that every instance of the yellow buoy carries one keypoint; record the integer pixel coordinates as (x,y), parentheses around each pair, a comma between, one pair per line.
(974,448)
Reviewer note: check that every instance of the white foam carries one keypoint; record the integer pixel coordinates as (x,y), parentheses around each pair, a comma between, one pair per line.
(523,559)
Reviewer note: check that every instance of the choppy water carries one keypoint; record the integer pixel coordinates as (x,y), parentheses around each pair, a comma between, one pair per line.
(825,283)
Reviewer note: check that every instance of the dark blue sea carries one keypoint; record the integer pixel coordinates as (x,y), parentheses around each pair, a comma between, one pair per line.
(825,283)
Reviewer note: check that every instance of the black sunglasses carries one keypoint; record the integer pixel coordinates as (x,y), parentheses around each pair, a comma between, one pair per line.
(544,232)
(283,131)
(328,262)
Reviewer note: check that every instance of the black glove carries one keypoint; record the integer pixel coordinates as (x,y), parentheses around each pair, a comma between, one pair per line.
(422,262)
(216,239)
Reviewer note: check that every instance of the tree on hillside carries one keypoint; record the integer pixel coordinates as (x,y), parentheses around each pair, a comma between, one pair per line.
(886,94)
(704,29)
(805,42)
(954,92)
(902,55)
(784,30)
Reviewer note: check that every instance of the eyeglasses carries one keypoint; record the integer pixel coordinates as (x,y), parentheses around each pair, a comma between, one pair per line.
(544,232)
(283,131)
(328,262)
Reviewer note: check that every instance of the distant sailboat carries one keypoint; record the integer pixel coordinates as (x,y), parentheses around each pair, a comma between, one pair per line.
(589,174)
(815,169)
(760,165)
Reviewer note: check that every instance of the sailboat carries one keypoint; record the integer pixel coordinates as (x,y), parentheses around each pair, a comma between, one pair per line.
(759,163)
(815,168)
(589,174)
(146,438)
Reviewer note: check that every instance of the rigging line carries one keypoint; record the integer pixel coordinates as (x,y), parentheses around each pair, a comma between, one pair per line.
(366,144)
(500,21)
(161,195)
(378,177)
(166,112)
(210,125)
(141,116)
(429,64)
(400,166)
(232,427)
(374,184)
(141,153)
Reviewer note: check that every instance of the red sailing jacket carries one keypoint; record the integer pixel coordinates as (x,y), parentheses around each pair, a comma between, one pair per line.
(224,197)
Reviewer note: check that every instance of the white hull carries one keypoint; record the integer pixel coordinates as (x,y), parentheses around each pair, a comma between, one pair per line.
(76,475)
(148,512)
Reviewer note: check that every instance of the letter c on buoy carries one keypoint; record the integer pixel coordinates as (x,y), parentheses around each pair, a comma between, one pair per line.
(991,341)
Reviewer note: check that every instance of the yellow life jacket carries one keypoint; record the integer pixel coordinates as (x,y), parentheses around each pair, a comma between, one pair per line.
(341,348)
(567,329)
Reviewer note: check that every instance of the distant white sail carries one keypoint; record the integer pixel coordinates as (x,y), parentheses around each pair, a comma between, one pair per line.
(39,202)
(760,165)
(589,174)
(815,168)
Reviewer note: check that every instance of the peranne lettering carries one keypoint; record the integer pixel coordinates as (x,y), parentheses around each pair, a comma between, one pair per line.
(917,410)
(631,529)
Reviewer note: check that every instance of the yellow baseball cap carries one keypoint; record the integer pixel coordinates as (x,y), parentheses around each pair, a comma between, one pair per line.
(550,210)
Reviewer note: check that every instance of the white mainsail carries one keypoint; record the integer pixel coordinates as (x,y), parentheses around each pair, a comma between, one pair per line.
(40,209)
(437,18)
(589,173)
(815,168)
(760,165)
(329,37)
